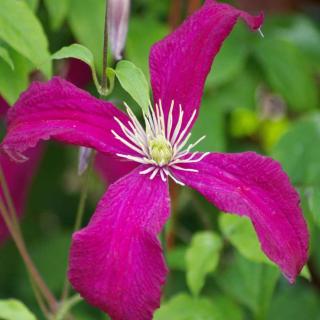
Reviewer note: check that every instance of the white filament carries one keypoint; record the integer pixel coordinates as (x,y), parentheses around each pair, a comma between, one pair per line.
(137,139)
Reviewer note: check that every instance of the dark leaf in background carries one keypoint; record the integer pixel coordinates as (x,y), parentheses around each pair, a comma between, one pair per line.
(288,73)
(252,284)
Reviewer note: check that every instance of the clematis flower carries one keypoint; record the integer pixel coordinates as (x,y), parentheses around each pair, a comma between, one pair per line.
(116,262)
(18,176)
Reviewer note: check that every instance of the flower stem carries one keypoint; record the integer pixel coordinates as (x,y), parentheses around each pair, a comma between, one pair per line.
(79,215)
(9,202)
(104,80)
(40,299)
(66,307)
(193,5)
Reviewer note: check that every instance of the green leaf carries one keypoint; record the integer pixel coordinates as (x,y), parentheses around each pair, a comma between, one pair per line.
(134,82)
(21,30)
(252,284)
(313,197)
(297,153)
(86,20)
(58,10)
(14,310)
(82,53)
(176,258)
(19,77)
(227,64)
(240,232)
(202,257)
(304,34)
(184,307)
(76,51)
(138,51)
(33,4)
(211,123)
(288,73)
(295,303)
(4,54)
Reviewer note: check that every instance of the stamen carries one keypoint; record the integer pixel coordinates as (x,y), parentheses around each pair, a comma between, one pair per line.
(178,127)
(158,120)
(168,173)
(163,178)
(190,160)
(154,173)
(170,120)
(130,135)
(133,118)
(153,119)
(177,148)
(128,144)
(147,170)
(186,127)
(156,148)
(184,169)
(191,146)
(162,118)
(133,158)
(142,139)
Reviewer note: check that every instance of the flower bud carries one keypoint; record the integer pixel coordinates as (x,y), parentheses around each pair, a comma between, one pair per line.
(118,17)
(84,158)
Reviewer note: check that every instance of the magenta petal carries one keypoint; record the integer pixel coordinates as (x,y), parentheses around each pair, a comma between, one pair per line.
(111,168)
(59,110)
(116,262)
(78,73)
(256,186)
(180,63)
(3,107)
(18,177)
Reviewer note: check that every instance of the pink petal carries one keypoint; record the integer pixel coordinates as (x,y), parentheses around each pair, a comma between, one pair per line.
(78,73)
(59,110)
(3,107)
(180,63)
(256,186)
(116,262)
(18,177)
(111,168)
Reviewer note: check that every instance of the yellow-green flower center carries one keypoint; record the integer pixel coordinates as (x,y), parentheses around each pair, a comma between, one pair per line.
(160,150)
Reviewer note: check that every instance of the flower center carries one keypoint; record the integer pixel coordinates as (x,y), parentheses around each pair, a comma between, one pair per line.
(160,150)
(160,146)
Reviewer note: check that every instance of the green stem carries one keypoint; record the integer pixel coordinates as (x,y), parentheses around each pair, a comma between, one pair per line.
(104,80)
(79,215)
(39,298)
(9,202)
(66,307)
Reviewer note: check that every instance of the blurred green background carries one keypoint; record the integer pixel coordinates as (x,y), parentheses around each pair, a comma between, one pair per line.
(262,95)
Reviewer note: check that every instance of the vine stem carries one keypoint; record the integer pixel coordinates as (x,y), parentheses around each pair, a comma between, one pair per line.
(79,215)
(19,242)
(104,80)
(8,198)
